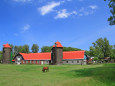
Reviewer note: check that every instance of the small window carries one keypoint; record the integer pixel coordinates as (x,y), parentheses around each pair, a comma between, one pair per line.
(72,61)
(26,62)
(66,61)
(77,61)
(47,62)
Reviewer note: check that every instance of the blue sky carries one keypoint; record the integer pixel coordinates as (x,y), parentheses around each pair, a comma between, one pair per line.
(75,23)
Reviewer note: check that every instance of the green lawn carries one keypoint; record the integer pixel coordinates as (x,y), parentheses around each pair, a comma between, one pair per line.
(64,75)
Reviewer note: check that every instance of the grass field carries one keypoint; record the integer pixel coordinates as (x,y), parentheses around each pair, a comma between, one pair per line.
(64,75)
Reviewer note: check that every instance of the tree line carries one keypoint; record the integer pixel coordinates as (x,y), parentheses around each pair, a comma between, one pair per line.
(48,49)
(24,49)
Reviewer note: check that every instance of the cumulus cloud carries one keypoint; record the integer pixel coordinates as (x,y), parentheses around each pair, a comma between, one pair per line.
(48,8)
(64,14)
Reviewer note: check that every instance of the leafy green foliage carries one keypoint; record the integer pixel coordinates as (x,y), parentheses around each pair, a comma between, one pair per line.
(95,58)
(70,49)
(48,49)
(101,48)
(113,53)
(111,5)
(17,49)
(1,54)
(23,49)
(35,48)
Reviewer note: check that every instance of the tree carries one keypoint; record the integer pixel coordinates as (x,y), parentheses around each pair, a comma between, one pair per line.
(70,49)
(25,49)
(11,45)
(87,53)
(46,49)
(35,48)
(95,58)
(22,49)
(101,48)
(1,54)
(113,53)
(111,5)
(16,50)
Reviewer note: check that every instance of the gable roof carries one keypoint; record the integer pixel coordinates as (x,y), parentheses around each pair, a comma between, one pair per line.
(47,56)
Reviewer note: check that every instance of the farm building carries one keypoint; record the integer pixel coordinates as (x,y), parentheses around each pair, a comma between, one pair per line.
(55,57)
(70,57)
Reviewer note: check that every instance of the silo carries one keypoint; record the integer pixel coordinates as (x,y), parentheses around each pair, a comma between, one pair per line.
(6,54)
(57,54)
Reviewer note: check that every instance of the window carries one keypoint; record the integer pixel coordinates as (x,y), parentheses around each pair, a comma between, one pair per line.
(26,62)
(72,61)
(47,62)
(77,61)
(66,61)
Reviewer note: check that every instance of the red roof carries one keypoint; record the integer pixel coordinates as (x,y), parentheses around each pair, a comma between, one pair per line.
(73,55)
(58,44)
(6,45)
(47,56)
(36,56)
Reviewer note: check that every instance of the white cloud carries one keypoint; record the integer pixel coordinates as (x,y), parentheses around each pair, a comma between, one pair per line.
(22,0)
(87,10)
(93,6)
(48,8)
(64,14)
(26,27)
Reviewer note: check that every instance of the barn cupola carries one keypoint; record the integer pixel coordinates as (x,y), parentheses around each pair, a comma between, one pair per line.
(57,44)
(6,46)
(6,54)
(57,53)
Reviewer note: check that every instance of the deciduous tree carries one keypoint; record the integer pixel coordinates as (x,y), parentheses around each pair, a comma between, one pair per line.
(111,5)
(35,48)
(101,48)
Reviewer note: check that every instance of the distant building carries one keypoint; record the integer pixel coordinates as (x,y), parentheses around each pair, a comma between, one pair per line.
(55,57)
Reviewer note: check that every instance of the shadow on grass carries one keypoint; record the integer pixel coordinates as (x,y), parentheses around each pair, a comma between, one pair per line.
(105,74)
